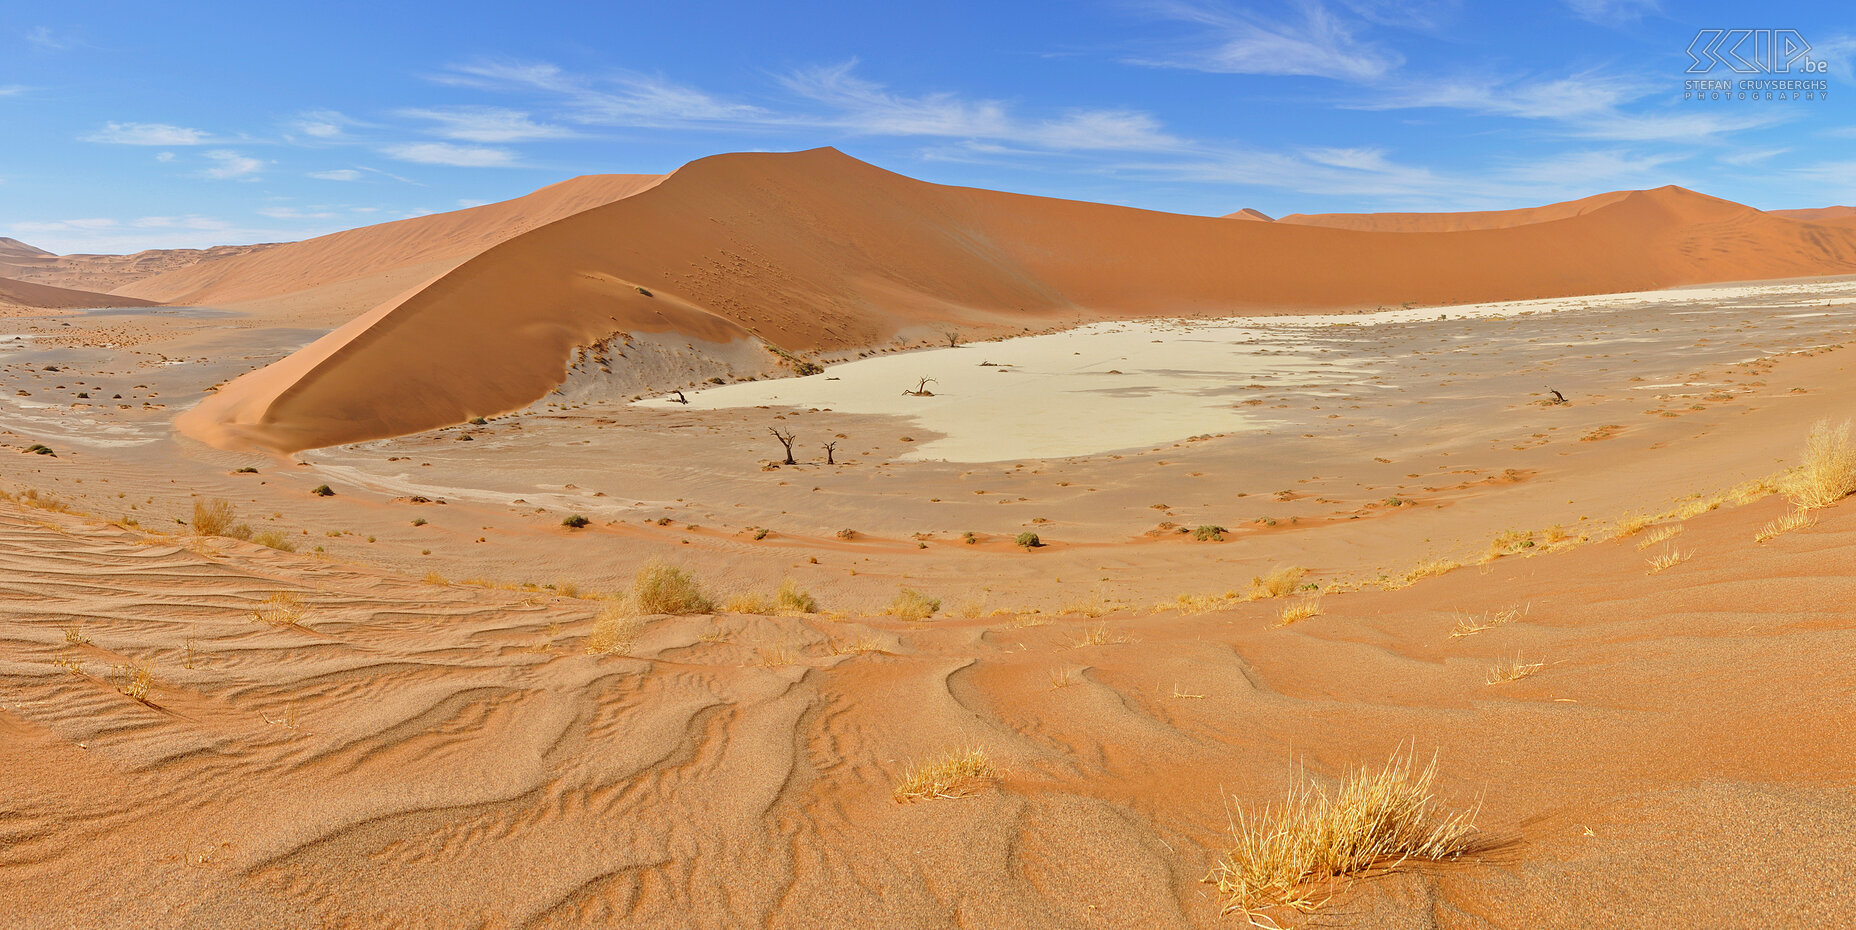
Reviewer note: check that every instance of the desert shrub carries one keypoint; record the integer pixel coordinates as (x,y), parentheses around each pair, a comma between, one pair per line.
(911,604)
(1209,532)
(953,775)
(275,539)
(1828,472)
(660,588)
(790,597)
(1290,855)
(1028,541)
(614,632)
(322,490)
(1277,583)
(574,521)
(213,517)
(39,448)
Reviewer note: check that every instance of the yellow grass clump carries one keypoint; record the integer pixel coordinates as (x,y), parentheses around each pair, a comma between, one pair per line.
(1631,524)
(748,603)
(1828,472)
(792,598)
(775,656)
(135,679)
(954,775)
(1278,583)
(1286,855)
(1301,610)
(1508,670)
(1662,534)
(1429,568)
(1467,625)
(614,632)
(911,604)
(1099,635)
(1062,677)
(280,609)
(1796,520)
(1669,559)
(660,588)
(215,518)
(856,647)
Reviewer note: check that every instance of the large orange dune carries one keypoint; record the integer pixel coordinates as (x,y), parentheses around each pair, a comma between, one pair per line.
(1457,222)
(816,251)
(443,238)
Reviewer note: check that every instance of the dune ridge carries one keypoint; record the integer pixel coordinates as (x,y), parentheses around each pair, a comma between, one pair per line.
(371,250)
(817,252)
(104,273)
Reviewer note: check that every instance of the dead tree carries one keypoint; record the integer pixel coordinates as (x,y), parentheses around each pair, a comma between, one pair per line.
(921,388)
(1558,398)
(680,398)
(786,439)
(828,447)
(953,338)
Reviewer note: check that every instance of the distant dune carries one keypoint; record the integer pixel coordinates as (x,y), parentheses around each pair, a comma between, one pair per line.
(26,295)
(103,273)
(1817,214)
(433,244)
(815,251)
(1249,214)
(1458,222)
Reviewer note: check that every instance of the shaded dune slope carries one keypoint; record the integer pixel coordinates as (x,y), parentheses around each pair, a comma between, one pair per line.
(816,251)
(1478,219)
(45,297)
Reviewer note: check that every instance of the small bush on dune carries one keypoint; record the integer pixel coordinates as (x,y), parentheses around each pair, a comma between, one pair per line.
(1279,583)
(575,521)
(1285,856)
(1828,472)
(275,539)
(614,632)
(666,589)
(213,517)
(954,775)
(322,490)
(790,597)
(913,605)
(1028,541)
(1210,532)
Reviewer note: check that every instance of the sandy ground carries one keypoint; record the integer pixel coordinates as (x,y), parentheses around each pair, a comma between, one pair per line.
(416,751)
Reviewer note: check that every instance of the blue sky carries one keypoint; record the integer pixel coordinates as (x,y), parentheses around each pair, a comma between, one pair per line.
(136,125)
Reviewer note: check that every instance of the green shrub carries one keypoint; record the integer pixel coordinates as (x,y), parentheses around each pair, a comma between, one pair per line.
(1028,540)
(666,589)
(322,490)
(574,522)
(1209,532)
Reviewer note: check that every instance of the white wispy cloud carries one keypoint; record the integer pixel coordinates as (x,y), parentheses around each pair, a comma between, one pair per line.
(630,100)
(446,153)
(43,38)
(12,90)
(338,174)
(486,124)
(228,165)
(1315,42)
(1613,12)
(323,125)
(1741,159)
(148,134)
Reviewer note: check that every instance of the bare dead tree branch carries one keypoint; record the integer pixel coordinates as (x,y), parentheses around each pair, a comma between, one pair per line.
(786,440)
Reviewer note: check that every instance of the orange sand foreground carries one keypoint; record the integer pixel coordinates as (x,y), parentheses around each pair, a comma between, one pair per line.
(427,698)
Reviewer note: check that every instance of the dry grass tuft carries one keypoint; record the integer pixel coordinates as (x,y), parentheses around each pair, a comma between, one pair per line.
(1099,635)
(1063,677)
(747,603)
(1429,568)
(911,604)
(792,598)
(775,656)
(1662,534)
(1286,856)
(1796,520)
(615,632)
(1631,524)
(75,635)
(660,588)
(1467,625)
(1828,472)
(1669,559)
(215,518)
(954,775)
(1301,610)
(1508,670)
(135,679)
(1092,608)
(1279,583)
(434,578)
(856,647)
(282,608)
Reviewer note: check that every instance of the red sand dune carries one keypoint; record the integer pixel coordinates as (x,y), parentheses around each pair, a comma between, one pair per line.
(357,253)
(1457,222)
(103,273)
(45,297)
(818,251)
(1250,214)
(1817,214)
